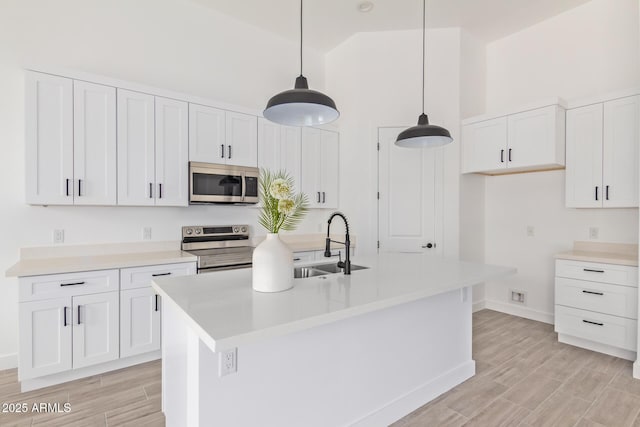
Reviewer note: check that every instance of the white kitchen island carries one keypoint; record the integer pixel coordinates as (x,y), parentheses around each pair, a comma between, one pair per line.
(335,350)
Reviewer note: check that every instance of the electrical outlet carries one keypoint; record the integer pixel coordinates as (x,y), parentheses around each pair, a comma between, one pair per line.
(531,231)
(58,236)
(518,297)
(594,233)
(228,362)
(146,233)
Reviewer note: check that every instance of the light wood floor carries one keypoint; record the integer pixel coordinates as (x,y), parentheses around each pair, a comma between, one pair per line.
(524,378)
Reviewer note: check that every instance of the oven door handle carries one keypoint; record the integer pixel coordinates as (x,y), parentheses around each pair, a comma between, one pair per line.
(244,185)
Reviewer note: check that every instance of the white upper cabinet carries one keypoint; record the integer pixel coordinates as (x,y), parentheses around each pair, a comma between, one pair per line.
(620,152)
(320,164)
(49,139)
(206,134)
(136,148)
(94,146)
(526,141)
(171,152)
(222,137)
(602,154)
(70,141)
(242,139)
(279,148)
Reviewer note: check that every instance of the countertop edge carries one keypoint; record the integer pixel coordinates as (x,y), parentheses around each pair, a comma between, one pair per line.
(602,258)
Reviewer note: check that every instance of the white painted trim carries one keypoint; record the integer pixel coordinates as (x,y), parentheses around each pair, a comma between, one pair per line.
(599,347)
(8,361)
(520,311)
(414,399)
(63,377)
(478,305)
(636,369)
(582,102)
(520,109)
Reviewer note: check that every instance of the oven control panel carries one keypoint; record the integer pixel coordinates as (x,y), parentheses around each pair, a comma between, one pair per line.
(215,230)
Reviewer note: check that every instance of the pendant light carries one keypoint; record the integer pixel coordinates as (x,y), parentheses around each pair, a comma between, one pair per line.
(423,134)
(301,106)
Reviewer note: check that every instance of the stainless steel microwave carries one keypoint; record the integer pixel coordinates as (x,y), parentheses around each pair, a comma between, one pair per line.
(213,183)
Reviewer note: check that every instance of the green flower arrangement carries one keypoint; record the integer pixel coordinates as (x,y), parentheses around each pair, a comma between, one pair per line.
(281,209)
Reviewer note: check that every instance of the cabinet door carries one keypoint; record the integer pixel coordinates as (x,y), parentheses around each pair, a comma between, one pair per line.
(206,134)
(45,337)
(95,329)
(269,135)
(484,145)
(311,158)
(330,152)
(584,157)
(290,152)
(172,152)
(49,139)
(242,139)
(139,321)
(621,139)
(536,138)
(136,148)
(94,146)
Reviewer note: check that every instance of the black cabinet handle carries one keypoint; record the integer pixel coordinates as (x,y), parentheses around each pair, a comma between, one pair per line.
(509,154)
(596,192)
(592,293)
(296,259)
(501,156)
(151,190)
(79,314)
(79,187)
(72,284)
(590,270)
(65,316)
(156,302)
(318,197)
(67,186)
(606,192)
(160,274)
(222,151)
(160,191)
(324,197)
(593,323)
(229,151)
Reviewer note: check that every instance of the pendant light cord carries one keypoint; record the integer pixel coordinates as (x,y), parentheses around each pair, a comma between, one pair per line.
(424,48)
(300,37)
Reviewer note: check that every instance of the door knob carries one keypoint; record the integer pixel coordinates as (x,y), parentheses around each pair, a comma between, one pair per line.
(428,246)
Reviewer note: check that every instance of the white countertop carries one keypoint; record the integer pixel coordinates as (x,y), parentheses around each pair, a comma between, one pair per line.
(607,253)
(225,312)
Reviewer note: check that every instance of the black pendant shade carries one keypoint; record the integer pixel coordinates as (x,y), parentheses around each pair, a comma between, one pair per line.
(301,106)
(423,135)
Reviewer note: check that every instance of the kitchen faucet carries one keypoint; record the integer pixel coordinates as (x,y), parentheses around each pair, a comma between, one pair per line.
(346,265)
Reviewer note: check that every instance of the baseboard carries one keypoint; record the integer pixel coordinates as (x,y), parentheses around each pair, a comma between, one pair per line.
(74,374)
(520,311)
(599,347)
(636,369)
(414,399)
(8,361)
(478,305)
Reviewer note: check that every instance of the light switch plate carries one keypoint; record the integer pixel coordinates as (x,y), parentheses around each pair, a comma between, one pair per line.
(58,236)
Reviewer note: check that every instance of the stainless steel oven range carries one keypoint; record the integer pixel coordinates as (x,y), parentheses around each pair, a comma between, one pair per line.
(218,247)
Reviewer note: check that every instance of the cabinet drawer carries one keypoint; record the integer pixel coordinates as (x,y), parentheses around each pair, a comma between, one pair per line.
(603,328)
(34,288)
(600,297)
(140,277)
(596,272)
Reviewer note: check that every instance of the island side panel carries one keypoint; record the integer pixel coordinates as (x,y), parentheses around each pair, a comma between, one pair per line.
(366,370)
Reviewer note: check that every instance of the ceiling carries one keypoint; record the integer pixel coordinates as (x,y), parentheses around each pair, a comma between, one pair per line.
(329,22)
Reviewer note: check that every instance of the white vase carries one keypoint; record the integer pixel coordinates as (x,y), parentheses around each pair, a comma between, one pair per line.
(272,265)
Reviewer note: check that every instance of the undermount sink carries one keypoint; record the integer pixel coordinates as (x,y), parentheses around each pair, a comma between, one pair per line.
(321,270)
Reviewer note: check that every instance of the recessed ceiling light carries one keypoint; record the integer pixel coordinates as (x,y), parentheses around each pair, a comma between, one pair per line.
(365,6)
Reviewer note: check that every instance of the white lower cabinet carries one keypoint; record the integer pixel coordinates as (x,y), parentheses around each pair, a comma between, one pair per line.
(597,306)
(139,321)
(95,329)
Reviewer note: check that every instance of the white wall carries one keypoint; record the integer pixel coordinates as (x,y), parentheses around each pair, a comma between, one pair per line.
(171,44)
(375,79)
(590,50)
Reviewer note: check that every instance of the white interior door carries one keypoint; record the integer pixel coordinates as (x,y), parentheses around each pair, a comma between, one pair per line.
(408,211)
